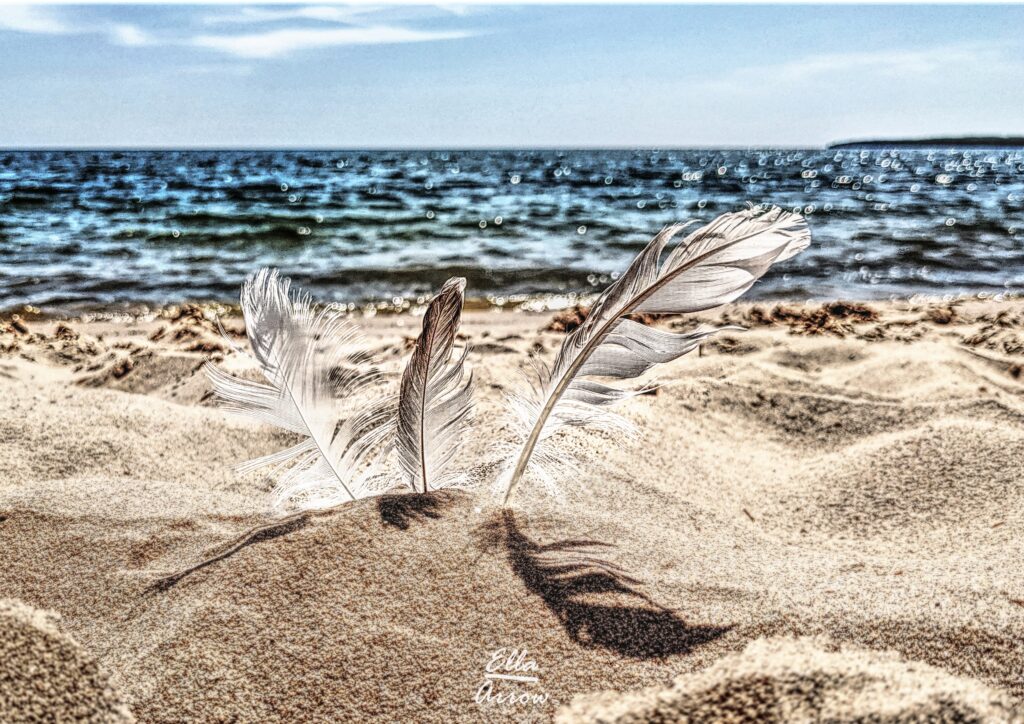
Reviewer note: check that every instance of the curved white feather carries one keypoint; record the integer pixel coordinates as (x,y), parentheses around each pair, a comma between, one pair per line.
(712,266)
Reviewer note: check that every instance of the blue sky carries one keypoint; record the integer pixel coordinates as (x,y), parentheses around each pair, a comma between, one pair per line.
(336,76)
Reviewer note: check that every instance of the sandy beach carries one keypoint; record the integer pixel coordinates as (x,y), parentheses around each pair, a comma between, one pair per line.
(820,518)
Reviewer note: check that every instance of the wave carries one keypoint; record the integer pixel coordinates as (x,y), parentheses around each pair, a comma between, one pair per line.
(371,225)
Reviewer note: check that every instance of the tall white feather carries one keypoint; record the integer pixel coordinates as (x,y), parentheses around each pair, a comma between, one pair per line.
(712,266)
(435,402)
(309,377)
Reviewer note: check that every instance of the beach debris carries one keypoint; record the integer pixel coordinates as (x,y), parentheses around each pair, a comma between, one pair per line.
(435,403)
(206,346)
(835,318)
(757,316)
(727,344)
(894,330)
(184,334)
(195,328)
(996,337)
(186,314)
(122,368)
(18,325)
(941,315)
(8,346)
(712,266)
(65,332)
(1003,318)
(492,348)
(568,320)
(278,527)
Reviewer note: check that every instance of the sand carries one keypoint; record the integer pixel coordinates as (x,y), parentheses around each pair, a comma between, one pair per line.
(46,676)
(833,498)
(803,679)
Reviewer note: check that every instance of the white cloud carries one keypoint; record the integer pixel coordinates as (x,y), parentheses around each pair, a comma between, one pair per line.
(343,26)
(129,35)
(338,25)
(895,64)
(44,21)
(278,43)
(460,10)
(29,19)
(889,62)
(324,13)
(236,69)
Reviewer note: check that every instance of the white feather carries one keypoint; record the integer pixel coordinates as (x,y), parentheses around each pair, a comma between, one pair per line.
(712,266)
(435,403)
(309,377)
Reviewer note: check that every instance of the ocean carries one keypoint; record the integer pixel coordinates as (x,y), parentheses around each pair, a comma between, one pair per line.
(83,230)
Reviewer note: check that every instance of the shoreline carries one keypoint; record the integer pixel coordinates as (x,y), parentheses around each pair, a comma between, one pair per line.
(529,304)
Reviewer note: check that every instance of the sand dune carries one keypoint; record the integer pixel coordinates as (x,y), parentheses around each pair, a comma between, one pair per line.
(847,473)
(802,680)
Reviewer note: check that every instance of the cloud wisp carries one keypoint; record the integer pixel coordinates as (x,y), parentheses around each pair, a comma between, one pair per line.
(920,63)
(323,13)
(331,26)
(279,43)
(31,19)
(293,29)
(44,21)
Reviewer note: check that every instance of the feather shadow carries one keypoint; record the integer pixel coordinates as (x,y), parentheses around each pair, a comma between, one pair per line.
(561,573)
(401,510)
(275,529)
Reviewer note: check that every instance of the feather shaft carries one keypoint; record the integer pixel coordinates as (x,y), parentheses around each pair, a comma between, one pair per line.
(324,450)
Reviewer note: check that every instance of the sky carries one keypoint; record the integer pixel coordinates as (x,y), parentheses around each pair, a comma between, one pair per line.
(334,76)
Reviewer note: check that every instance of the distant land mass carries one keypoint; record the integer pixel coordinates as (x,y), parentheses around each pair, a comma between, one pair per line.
(984,141)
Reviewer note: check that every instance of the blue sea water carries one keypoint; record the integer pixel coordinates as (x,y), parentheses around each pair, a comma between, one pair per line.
(85,229)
